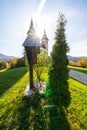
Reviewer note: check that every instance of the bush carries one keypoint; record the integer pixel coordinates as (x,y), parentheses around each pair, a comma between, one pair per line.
(2,65)
(17,62)
(83,62)
(72,63)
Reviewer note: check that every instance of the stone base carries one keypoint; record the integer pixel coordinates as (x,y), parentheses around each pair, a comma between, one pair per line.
(40,90)
(28,91)
(30,95)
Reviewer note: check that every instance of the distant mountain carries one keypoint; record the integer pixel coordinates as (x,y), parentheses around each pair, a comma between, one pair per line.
(75,59)
(5,57)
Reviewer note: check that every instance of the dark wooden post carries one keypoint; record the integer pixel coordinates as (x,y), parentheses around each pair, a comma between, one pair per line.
(32,48)
(29,52)
(31,76)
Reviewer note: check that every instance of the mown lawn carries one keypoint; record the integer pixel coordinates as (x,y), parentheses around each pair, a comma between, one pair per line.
(17,114)
(83,70)
(77,111)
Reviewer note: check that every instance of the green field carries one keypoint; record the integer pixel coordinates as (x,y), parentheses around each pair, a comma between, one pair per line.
(16,114)
(83,70)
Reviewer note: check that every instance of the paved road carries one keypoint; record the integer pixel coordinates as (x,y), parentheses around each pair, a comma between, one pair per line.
(81,77)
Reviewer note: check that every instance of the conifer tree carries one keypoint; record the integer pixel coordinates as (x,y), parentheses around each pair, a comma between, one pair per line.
(58,74)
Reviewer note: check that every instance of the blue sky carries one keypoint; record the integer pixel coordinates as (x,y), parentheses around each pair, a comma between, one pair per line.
(15,16)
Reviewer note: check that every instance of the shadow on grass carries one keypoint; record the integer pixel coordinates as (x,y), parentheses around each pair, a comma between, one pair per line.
(10,77)
(3,121)
(36,116)
(32,117)
(24,115)
(40,115)
(17,117)
(58,119)
(57,113)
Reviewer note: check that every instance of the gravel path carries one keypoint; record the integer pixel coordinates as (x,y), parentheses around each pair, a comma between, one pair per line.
(81,77)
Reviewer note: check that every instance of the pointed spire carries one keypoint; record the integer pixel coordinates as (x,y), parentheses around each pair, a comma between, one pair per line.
(44,37)
(44,31)
(31,24)
(31,28)
(45,42)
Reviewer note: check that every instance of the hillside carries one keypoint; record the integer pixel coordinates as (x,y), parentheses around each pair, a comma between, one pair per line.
(5,57)
(75,59)
(17,114)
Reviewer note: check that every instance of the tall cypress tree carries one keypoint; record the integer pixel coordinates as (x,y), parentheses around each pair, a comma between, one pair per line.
(58,74)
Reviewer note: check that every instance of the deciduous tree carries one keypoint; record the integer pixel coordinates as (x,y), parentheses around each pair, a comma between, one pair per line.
(42,64)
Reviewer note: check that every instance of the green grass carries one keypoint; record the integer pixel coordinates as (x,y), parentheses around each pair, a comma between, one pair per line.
(12,85)
(84,70)
(16,114)
(77,111)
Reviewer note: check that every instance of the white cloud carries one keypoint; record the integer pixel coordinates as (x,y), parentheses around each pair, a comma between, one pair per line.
(79,48)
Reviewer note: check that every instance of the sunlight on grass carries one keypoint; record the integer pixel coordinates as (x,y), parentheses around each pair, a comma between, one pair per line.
(12,94)
(3,70)
(10,98)
(16,114)
(77,111)
(44,77)
(84,70)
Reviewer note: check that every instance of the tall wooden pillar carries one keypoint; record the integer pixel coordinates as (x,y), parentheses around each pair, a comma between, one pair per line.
(31,75)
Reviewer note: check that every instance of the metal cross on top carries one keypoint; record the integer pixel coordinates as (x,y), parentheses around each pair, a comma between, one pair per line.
(32,48)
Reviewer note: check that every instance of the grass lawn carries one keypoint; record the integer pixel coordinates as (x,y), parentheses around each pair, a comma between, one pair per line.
(77,113)
(84,70)
(16,114)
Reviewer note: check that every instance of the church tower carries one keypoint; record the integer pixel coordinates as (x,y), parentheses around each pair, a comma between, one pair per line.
(44,41)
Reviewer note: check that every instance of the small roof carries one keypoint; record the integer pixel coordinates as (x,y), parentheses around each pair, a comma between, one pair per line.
(32,40)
